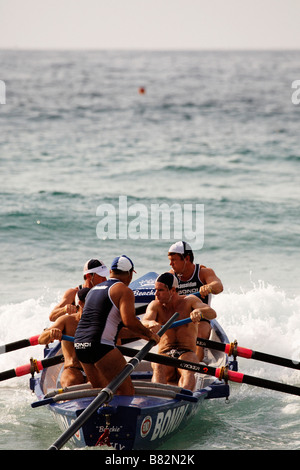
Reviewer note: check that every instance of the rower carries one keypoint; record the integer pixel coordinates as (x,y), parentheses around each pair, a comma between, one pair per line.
(72,373)
(194,279)
(179,342)
(94,272)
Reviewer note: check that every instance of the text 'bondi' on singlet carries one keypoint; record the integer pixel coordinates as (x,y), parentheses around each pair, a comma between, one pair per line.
(101,320)
(192,285)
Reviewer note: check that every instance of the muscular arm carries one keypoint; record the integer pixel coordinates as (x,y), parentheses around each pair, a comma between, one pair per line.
(129,319)
(65,305)
(199,308)
(55,332)
(212,284)
(150,317)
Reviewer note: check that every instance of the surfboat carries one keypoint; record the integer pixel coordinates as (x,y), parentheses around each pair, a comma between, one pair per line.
(141,422)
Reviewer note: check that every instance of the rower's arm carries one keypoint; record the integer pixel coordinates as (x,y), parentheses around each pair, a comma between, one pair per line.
(54,332)
(200,308)
(212,283)
(150,318)
(65,305)
(129,319)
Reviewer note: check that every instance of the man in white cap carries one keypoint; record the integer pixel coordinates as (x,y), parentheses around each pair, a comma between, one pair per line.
(109,306)
(178,342)
(94,272)
(192,279)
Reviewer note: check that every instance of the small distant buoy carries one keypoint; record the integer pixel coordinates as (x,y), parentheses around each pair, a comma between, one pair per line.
(38,222)
(142,90)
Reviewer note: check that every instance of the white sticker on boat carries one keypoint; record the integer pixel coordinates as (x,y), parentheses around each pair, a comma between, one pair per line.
(146,426)
(168,422)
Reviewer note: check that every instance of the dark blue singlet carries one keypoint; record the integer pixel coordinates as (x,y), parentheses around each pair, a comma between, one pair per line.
(99,325)
(192,285)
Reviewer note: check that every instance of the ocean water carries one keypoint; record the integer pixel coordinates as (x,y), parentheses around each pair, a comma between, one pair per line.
(216,130)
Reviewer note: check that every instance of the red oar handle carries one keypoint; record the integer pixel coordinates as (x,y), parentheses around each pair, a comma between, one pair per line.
(33,366)
(242,352)
(235,350)
(22,343)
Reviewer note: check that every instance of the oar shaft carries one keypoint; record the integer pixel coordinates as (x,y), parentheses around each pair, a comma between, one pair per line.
(169,361)
(27,368)
(248,353)
(22,343)
(281,361)
(215,372)
(264,383)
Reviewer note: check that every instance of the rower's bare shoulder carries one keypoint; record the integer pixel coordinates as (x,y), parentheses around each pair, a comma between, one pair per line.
(194,301)
(153,306)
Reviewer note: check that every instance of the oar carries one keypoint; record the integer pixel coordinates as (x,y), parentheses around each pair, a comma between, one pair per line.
(34,366)
(107,393)
(24,343)
(232,348)
(174,325)
(219,373)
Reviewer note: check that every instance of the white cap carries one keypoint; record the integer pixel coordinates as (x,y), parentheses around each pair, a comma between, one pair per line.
(94,266)
(180,248)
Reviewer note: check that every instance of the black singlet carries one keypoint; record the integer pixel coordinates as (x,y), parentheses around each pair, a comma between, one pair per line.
(101,320)
(192,285)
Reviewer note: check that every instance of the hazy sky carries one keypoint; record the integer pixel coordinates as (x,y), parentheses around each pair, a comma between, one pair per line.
(150,24)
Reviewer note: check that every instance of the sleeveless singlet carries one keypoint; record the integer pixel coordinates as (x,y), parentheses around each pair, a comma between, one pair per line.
(192,285)
(100,320)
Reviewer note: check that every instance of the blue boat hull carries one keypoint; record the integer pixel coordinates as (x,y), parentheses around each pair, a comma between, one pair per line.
(137,423)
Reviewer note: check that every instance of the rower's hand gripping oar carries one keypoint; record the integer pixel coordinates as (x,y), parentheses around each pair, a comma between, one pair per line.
(107,393)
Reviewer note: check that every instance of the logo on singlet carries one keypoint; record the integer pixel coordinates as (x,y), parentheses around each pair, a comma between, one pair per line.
(82,345)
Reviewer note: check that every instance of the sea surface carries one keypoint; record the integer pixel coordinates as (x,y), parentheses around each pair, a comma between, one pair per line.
(214,132)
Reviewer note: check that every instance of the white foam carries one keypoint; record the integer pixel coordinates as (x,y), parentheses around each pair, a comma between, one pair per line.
(21,321)
(263,319)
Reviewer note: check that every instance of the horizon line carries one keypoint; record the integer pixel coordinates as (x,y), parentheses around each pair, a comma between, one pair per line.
(146,49)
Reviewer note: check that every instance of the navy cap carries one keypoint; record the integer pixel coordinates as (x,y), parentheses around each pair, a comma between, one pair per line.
(168,279)
(122,263)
